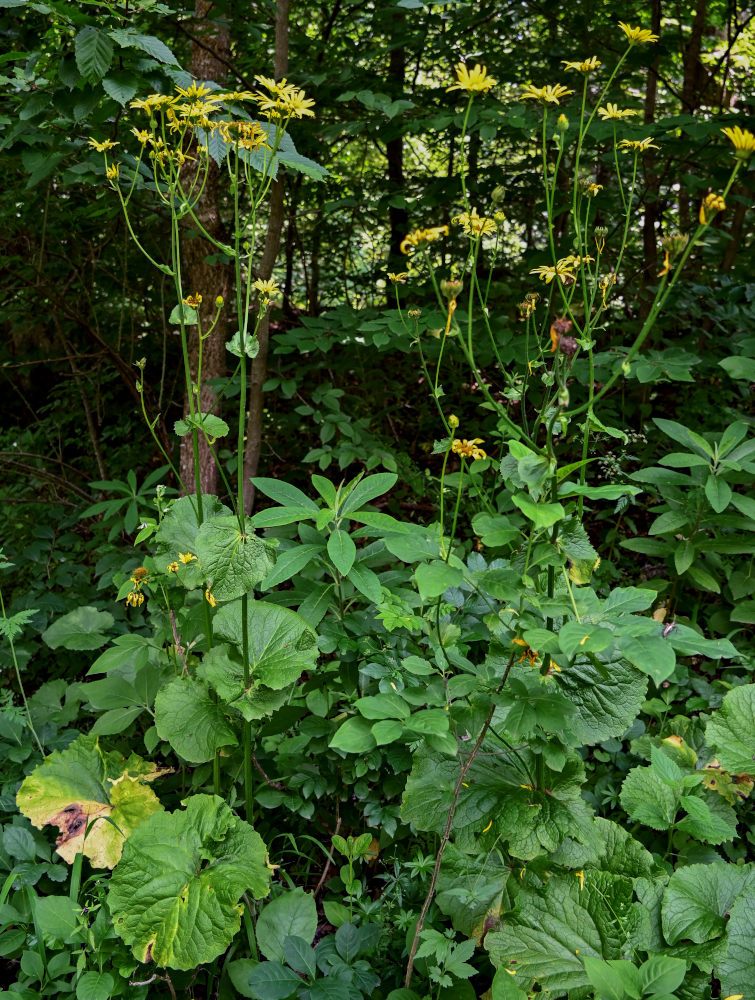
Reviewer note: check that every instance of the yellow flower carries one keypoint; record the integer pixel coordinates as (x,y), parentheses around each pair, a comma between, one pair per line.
(638,145)
(574,260)
(419,237)
(142,135)
(581,877)
(173,567)
(550,94)
(102,147)
(266,288)
(605,283)
(297,104)
(586,66)
(592,189)
(711,204)
(529,654)
(476,79)
(547,274)
(398,279)
(635,35)
(468,449)
(186,557)
(210,599)
(612,111)
(112,171)
(193,300)
(666,266)
(743,140)
(474,224)
(195,91)
(135,599)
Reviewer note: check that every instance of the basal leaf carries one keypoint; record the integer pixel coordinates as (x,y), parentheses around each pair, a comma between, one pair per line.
(174,895)
(737,969)
(291,913)
(222,669)
(178,529)
(648,799)
(83,628)
(73,787)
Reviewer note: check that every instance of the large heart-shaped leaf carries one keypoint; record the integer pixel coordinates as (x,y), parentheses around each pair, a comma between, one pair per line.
(191,721)
(175,893)
(232,560)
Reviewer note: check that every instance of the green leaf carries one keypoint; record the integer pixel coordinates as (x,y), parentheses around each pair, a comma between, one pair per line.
(684,555)
(251,345)
(83,628)
(367,489)
(576,637)
(718,493)
(300,956)
(494,529)
(739,368)
(662,974)
(128,38)
(174,895)
(94,986)
(273,981)
(121,86)
(434,578)
(207,423)
(470,889)
(284,493)
(303,164)
(543,515)
(366,582)
(74,787)
(289,563)
(683,460)
(669,522)
(648,800)
(731,731)
(737,969)
(354,736)
(573,540)
(608,696)
(282,645)
(651,654)
(504,985)
(703,579)
(698,898)
(615,980)
(293,913)
(678,432)
(627,600)
(94,53)
(342,550)
(232,561)
(58,917)
(190,720)
(704,824)
(178,529)
(383,706)
(222,668)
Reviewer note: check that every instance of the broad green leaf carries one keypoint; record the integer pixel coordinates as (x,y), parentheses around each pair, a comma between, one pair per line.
(368,489)
(698,898)
(669,522)
(707,824)
(543,515)
(190,720)
(703,579)
(573,540)
(342,550)
(273,981)
(737,968)
(739,368)
(178,529)
(207,423)
(383,706)
(553,930)
(608,696)
(387,731)
(300,956)
(614,980)
(94,986)
(662,974)
(504,984)
(683,460)
(575,638)
(685,554)
(291,913)
(94,53)
(238,972)
(366,582)
(731,731)
(232,561)
(494,529)
(174,895)
(687,642)
(627,600)
(718,493)
(678,432)
(289,563)
(282,645)
(58,916)
(121,86)
(648,800)
(251,345)
(73,787)
(83,628)
(128,38)
(284,493)
(651,654)
(609,492)
(434,578)
(470,889)
(274,516)
(354,736)
(222,669)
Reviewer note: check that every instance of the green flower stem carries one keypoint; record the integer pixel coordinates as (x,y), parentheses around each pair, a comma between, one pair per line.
(20,682)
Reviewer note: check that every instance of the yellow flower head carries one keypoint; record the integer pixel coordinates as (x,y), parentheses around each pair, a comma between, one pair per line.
(564,272)
(297,104)
(711,204)
(193,300)
(420,237)
(476,79)
(173,567)
(209,598)
(550,94)
(186,557)
(266,288)
(102,147)
(743,140)
(398,279)
(142,135)
(586,66)
(135,599)
(468,449)
(113,171)
(612,111)
(636,35)
(637,145)
(574,260)
(475,225)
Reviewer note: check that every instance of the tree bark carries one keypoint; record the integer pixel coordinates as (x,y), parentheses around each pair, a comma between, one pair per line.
(252,451)
(198,276)
(650,221)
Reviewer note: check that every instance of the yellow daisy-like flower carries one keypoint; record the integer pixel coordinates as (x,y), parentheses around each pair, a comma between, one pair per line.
(711,204)
(743,141)
(112,172)
(637,35)
(135,599)
(469,449)
(142,135)
(266,287)
(473,80)
(592,189)
(574,260)
(604,284)
(585,66)
(193,300)
(612,111)
(209,598)
(173,567)
(195,91)
(475,225)
(102,147)
(561,271)
(297,104)
(638,145)
(550,94)
(398,279)
(186,557)
(419,237)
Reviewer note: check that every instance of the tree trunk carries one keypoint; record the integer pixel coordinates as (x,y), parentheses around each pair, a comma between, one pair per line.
(197,275)
(398,217)
(650,222)
(251,457)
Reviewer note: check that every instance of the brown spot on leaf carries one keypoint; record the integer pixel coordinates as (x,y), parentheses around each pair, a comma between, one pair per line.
(72,822)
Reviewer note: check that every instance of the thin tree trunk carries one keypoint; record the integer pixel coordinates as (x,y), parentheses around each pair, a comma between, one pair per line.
(198,276)
(650,221)
(252,451)
(692,87)
(398,217)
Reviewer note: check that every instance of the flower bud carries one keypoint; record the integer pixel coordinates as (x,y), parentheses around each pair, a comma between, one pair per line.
(499,195)
(453,421)
(451,287)
(562,122)
(219,301)
(414,313)
(563,397)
